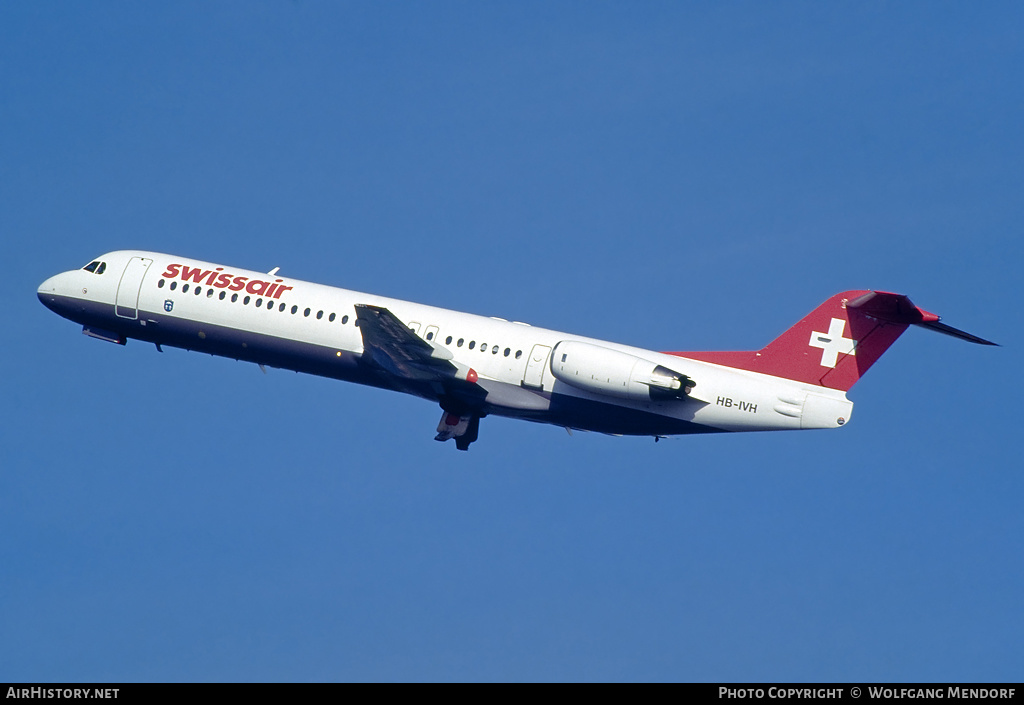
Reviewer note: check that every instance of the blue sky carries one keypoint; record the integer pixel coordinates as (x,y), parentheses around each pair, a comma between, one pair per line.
(669,175)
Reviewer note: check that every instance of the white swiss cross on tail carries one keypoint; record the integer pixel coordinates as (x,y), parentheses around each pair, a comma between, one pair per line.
(833,343)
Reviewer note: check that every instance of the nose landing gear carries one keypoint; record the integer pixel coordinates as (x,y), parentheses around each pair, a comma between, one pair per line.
(464,429)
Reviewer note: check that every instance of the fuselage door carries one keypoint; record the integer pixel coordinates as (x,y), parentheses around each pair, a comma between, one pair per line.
(534,375)
(127,304)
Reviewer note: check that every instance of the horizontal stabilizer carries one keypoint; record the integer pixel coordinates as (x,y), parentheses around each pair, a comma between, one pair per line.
(955,332)
(897,308)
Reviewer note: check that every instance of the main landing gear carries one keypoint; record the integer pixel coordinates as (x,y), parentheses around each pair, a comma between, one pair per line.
(464,429)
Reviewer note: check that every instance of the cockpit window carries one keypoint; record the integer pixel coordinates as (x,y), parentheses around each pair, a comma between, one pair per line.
(91,267)
(102,268)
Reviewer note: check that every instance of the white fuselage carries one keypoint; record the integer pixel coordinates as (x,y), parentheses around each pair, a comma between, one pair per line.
(285,322)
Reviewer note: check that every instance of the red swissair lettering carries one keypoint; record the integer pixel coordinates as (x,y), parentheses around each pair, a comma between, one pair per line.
(220,280)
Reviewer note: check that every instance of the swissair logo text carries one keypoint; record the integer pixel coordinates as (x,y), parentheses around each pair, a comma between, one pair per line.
(222,280)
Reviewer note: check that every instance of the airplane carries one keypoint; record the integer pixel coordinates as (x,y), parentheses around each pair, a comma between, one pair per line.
(474,366)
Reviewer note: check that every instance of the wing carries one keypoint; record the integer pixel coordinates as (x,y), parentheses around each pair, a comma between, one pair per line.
(416,366)
(389,345)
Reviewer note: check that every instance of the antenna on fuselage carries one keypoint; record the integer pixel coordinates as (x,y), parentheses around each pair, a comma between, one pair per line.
(273,271)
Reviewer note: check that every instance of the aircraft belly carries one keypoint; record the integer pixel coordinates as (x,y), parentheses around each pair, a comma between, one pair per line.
(607,417)
(508,396)
(225,341)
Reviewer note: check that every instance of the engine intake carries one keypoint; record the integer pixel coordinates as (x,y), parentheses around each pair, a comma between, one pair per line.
(605,371)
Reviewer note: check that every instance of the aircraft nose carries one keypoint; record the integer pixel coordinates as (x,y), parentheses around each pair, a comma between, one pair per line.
(47,292)
(47,287)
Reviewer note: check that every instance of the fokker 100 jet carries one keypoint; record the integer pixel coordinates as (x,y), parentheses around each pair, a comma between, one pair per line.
(473,366)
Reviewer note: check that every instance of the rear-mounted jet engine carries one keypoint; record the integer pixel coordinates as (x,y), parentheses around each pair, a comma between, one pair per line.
(605,371)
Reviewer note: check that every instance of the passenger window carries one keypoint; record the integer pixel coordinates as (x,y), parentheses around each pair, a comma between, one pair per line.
(209,293)
(245,301)
(344,320)
(174,285)
(430,335)
(184,288)
(280,308)
(331,318)
(306,312)
(519,354)
(222,295)
(448,340)
(295,309)
(234,297)
(160,284)
(319,315)
(507,351)
(459,344)
(259,303)
(472,344)
(483,347)
(494,350)
(199,290)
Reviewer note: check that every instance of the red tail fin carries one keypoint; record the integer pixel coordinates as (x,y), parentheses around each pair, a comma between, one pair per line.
(835,343)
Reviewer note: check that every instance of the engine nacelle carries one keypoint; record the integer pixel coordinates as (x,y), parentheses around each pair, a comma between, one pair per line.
(605,371)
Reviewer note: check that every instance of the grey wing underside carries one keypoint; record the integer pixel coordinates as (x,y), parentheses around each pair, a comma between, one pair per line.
(391,346)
